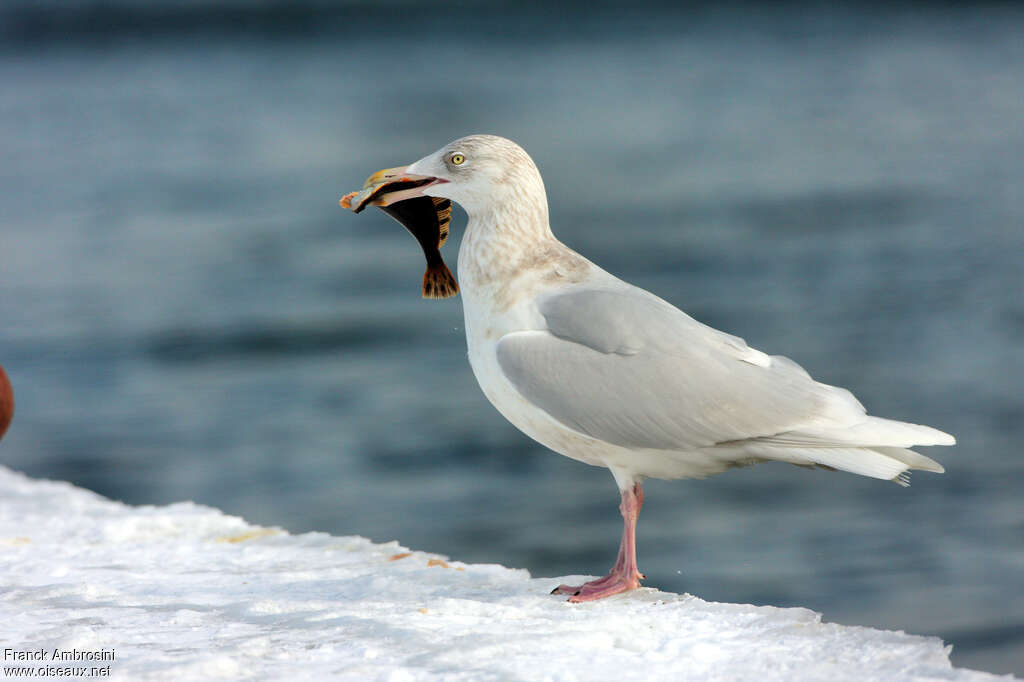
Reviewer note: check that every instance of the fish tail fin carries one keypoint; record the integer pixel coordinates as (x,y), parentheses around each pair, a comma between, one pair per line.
(438,282)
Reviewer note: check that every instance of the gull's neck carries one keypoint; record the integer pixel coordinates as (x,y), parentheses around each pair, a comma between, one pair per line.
(507,257)
(501,238)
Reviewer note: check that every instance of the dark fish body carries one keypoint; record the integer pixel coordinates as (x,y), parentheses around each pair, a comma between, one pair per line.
(426,218)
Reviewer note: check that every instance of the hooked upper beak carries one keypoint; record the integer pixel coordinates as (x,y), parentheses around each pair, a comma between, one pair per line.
(388,186)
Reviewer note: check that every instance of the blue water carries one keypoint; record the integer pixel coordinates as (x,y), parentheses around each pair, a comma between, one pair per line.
(187,314)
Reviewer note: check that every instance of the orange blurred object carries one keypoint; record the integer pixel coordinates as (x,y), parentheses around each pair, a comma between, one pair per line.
(6,402)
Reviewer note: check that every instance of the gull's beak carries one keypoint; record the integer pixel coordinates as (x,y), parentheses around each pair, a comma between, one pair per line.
(386,187)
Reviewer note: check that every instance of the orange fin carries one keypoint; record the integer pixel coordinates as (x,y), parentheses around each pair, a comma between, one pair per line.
(444,218)
(438,282)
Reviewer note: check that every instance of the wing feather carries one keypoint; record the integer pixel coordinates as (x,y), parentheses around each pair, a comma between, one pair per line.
(625,367)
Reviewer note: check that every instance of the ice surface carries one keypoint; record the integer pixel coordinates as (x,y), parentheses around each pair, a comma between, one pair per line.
(185,592)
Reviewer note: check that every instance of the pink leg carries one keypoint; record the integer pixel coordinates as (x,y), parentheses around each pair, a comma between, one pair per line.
(624,575)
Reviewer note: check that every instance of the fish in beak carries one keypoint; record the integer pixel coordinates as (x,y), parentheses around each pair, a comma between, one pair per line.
(400,195)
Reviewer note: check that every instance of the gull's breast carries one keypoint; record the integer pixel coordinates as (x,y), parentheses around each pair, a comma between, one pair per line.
(487,320)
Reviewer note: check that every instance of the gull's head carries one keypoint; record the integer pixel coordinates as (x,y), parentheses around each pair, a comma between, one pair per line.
(492,178)
(481,173)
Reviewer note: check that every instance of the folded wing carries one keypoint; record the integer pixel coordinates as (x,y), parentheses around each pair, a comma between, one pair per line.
(623,366)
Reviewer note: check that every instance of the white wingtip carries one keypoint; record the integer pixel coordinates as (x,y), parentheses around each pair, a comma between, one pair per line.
(878,431)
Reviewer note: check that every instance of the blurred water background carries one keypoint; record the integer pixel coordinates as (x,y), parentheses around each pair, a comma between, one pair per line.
(188,314)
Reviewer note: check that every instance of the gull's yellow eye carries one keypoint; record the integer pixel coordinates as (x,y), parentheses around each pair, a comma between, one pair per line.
(458,159)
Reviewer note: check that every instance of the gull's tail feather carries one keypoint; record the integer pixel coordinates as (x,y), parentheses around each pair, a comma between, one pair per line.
(891,464)
(874,447)
(886,463)
(913,460)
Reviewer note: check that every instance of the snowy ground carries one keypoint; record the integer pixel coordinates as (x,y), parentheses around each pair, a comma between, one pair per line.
(184,592)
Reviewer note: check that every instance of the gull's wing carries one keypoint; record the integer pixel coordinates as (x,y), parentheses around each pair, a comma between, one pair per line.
(625,367)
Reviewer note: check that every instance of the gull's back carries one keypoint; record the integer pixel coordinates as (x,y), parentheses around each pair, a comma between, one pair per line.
(620,365)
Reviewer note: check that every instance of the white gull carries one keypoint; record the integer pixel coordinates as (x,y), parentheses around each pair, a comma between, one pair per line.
(609,374)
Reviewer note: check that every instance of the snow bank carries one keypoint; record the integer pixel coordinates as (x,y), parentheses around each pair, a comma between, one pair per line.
(185,592)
